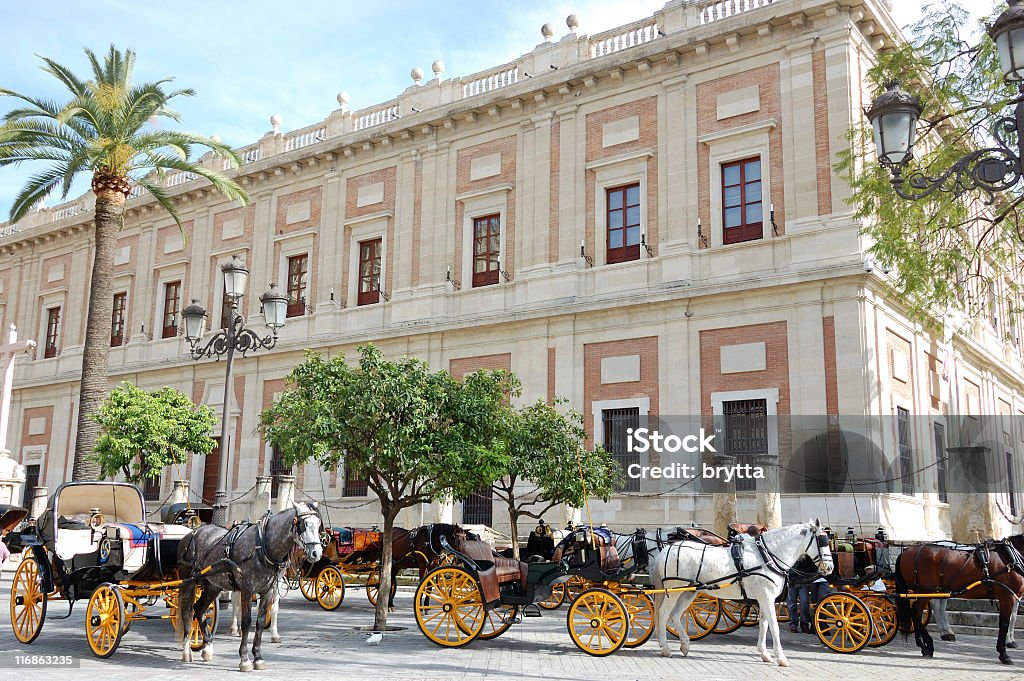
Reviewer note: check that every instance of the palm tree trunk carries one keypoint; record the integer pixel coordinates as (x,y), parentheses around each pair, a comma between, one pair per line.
(95,381)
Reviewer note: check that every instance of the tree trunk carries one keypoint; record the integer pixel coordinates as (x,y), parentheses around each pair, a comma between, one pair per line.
(95,382)
(380,615)
(513,521)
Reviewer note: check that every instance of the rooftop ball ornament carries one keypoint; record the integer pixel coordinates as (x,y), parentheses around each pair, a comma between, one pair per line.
(895,112)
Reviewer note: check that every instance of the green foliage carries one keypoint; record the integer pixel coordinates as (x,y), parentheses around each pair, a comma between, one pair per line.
(945,251)
(144,432)
(106,127)
(415,435)
(546,448)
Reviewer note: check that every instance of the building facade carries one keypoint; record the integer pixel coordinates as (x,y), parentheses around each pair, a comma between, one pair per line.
(643,221)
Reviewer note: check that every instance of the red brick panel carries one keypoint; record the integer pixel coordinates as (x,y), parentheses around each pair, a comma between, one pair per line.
(236,437)
(313,196)
(647,111)
(132,244)
(40,439)
(595,391)
(901,388)
(506,146)
(275,385)
(165,233)
(828,325)
(461,366)
(385,175)
(248,216)
(774,335)
(767,80)
(822,146)
(48,265)
(935,365)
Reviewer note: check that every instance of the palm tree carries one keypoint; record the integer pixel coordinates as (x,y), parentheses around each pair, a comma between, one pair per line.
(105,129)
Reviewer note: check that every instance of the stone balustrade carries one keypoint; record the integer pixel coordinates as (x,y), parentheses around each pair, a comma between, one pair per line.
(544,60)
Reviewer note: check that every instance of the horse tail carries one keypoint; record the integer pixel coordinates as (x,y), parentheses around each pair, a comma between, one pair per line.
(186,599)
(904,612)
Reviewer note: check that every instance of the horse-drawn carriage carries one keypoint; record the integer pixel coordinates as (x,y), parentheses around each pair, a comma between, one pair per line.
(94,543)
(10,518)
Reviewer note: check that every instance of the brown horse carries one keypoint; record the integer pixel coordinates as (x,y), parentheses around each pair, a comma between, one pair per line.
(992,570)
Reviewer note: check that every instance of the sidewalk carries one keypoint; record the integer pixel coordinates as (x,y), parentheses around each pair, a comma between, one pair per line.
(325,644)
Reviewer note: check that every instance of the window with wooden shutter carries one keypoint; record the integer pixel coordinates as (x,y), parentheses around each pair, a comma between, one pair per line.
(742,210)
(486,250)
(369,272)
(623,223)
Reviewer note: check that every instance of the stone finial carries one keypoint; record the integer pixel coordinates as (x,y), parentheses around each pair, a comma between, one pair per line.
(275,121)
(343,100)
(417,75)
(215,138)
(438,68)
(573,22)
(548,32)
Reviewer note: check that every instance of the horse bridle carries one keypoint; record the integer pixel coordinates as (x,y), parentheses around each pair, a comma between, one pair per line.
(780,567)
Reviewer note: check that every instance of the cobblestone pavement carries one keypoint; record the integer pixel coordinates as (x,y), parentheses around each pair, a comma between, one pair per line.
(327,645)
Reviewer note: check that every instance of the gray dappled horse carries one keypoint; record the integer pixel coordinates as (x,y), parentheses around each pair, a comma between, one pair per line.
(248,558)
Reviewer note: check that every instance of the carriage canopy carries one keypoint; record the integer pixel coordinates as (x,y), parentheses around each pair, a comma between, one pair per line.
(10,516)
(119,502)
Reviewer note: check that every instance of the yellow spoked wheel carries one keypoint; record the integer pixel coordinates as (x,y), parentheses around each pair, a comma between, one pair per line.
(28,602)
(373,587)
(450,607)
(598,622)
(884,625)
(330,588)
(498,621)
(731,616)
(700,618)
(843,622)
(557,597)
(104,620)
(307,584)
(640,607)
(751,615)
(195,637)
(574,586)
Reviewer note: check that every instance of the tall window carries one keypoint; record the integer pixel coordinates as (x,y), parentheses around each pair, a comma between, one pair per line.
(906,455)
(277,468)
(369,272)
(172,301)
(478,507)
(1011,488)
(151,490)
(52,332)
(354,486)
(617,423)
(31,482)
(742,214)
(746,434)
(486,250)
(298,265)
(117,320)
(939,431)
(623,220)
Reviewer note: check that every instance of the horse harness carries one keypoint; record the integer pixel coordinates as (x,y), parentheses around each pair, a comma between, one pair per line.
(981,553)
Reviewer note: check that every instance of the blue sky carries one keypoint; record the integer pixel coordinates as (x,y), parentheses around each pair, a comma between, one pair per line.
(250,59)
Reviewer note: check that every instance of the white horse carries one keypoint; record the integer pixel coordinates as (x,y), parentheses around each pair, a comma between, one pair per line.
(236,609)
(765,560)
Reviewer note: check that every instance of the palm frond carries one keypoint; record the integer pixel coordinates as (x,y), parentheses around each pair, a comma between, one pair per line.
(162,198)
(36,188)
(64,75)
(221,182)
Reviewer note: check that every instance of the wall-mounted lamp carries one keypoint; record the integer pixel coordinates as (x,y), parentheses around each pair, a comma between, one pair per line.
(456,284)
(700,235)
(643,242)
(503,272)
(142,330)
(771,218)
(583,254)
(415,110)
(553,67)
(385,295)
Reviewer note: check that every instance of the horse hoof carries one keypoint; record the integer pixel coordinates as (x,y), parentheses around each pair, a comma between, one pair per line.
(767,658)
(1005,659)
(927,653)
(245,667)
(275,639)
(259,665)
(236,633)
(207,655)
(666,653)
(783,662)
(186,656)
(1009,644)
(948,637)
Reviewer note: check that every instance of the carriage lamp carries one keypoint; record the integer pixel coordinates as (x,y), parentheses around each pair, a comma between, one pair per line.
(96,518)
(894,114)
(235,276)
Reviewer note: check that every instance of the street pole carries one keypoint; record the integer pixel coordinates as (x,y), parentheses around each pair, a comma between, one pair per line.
(220,497)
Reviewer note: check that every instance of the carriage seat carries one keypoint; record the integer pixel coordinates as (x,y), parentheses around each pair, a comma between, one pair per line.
(753,529)
(698,534)
(508,570)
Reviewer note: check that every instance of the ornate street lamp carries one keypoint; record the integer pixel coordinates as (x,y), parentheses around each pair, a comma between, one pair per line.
(895,112)
(233,338)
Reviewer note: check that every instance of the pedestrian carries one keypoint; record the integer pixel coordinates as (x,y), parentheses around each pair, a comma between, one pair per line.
(4,551)
(800,578)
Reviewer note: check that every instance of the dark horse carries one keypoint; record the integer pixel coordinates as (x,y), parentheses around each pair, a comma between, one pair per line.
(248,558)
(419,548)
(990,570)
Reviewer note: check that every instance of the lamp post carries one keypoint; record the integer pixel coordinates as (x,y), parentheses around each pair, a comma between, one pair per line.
(233,338)
(895,112)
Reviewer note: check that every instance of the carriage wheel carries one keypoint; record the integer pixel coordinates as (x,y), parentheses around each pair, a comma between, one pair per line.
(498,621)
(195,637)
(104,620)
(751,614)
(557,597)
(574,586)
(307,584)
(700,618)
(28,602)
(598,622)
(373,587)
(640,607)
(781,612)
(449,607)
(883,619)
(330,588)
(843,622)
(731,616)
